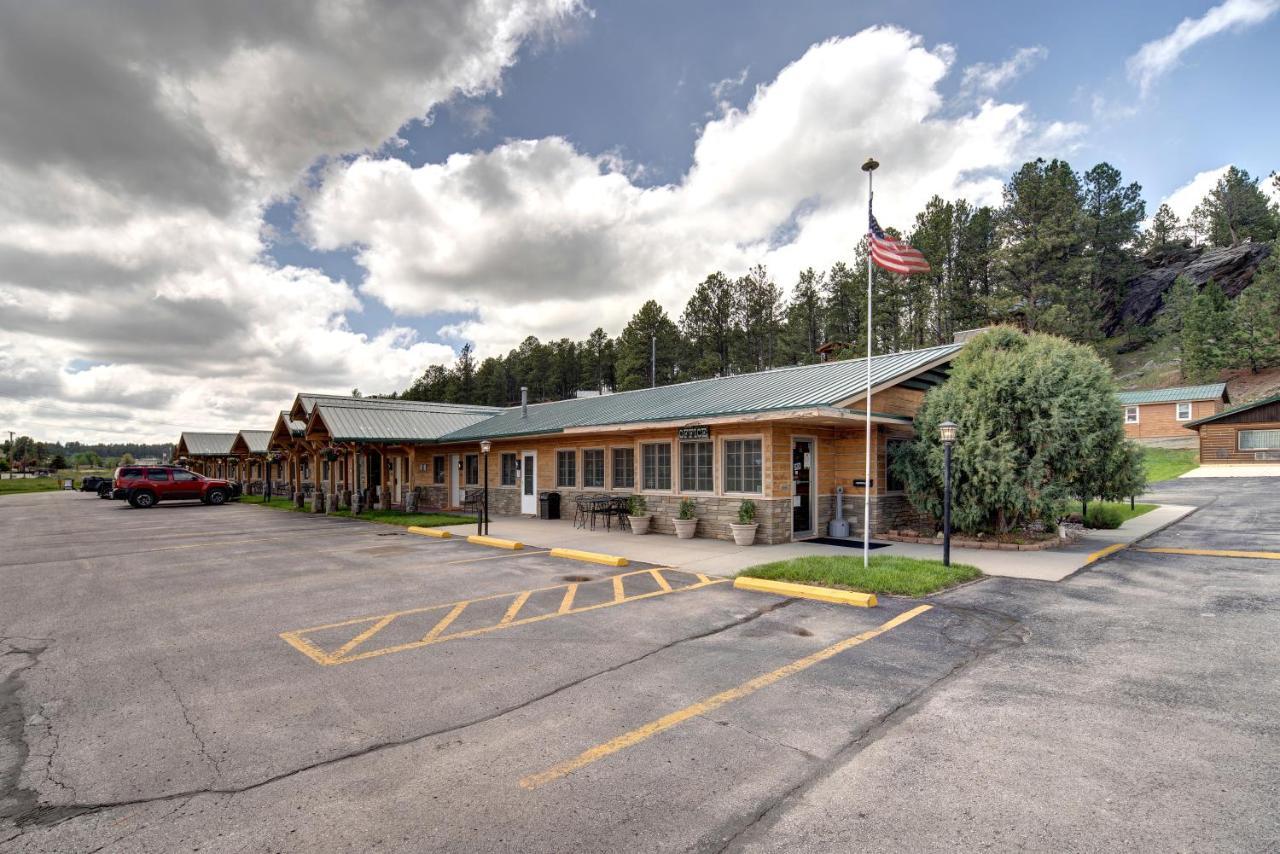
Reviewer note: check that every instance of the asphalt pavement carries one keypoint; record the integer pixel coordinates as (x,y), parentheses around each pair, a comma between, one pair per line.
(242,678)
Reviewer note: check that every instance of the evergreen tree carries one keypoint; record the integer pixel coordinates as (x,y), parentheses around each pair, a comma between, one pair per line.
(1113,212)
(1255,327)
(633,348)
(1206,334)
(803,330)
(758,311)
(844,304)
(464,390)
(710,322)
(596,354)
(1173,314)
(1234,211)
(1166,233)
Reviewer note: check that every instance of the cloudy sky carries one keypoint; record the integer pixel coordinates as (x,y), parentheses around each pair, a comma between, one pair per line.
(206,207)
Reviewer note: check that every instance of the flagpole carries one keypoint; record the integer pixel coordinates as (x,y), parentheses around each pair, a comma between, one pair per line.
(869,167)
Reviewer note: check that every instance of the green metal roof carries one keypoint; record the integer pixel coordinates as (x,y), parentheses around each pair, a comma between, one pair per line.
(309,401)
(208,444)
(798,387)
(256,440)
(1253,404)
(1213,391)
(296,428)
(348,421)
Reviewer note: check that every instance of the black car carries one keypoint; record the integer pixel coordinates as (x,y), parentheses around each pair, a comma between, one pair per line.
(91,483)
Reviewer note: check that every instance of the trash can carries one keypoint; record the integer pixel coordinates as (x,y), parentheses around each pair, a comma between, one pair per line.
(548,505)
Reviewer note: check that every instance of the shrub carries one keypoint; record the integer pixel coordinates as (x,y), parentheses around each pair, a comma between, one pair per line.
(686,509)
(746,512)
(1102,516)
(637,506)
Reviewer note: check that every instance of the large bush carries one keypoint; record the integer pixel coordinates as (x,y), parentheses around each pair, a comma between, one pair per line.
(1039,425)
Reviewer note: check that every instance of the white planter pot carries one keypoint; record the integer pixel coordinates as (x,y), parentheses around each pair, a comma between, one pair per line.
(744,535)
(685,528)
(640,524)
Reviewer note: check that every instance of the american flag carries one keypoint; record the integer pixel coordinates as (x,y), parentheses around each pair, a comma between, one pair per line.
(896,256)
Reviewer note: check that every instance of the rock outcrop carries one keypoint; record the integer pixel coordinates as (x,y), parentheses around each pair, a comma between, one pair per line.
(1231,267)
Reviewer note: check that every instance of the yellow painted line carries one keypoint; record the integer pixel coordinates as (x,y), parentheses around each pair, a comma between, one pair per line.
(363,636)
(666,722)
(806,591)
(618,593)
(298,639)
(430,532)
(1215,553)
(662,582)
(589,557)
(439,627)
(566,604)
(1101,553)
(496,542)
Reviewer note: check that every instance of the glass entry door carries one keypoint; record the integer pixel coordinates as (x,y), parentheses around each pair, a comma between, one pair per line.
(529,483)
(801,488)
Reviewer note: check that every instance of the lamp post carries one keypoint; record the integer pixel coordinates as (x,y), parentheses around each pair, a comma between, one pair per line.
(947,432)
(485,447)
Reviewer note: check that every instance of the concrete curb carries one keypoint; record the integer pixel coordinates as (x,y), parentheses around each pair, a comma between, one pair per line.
(806,591)
(430,532)
(1119,547)
(590,557)
(495,542)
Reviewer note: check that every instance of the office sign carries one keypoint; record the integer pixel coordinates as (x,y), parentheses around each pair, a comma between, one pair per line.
(694,434)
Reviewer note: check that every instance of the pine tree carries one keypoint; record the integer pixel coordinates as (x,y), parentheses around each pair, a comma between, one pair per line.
(596,353)
(1234,211)
(633,348)
(844,304)
(1206,334)
(803,329)
(1166,233)
(1255,326)
(758,310)
(711,323)
(1113,212)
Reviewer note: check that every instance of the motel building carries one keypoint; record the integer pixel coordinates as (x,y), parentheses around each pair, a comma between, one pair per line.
(1248,434)
(1159,416)
(209,454)
(785,438)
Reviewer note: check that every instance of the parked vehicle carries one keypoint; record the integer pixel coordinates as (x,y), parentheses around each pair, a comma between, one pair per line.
(90,483)
(145,486)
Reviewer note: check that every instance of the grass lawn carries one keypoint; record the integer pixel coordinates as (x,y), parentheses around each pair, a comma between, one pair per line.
(278,503)
(1168,463)
(418,520)
(891,575)
(1122,507)
(28,484)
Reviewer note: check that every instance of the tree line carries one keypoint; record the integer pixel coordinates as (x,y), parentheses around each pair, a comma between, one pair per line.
(1054,257)
(27,453)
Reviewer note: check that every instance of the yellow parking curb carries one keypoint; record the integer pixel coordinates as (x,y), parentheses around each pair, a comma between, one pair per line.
(430,532)
(589,557)
(1215,553)
(806,591)
(1101,553)
(496,542)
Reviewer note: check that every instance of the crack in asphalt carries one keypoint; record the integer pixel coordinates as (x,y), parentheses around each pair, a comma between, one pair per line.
(49,817)
(1011,634)
(191,725)
(16,800)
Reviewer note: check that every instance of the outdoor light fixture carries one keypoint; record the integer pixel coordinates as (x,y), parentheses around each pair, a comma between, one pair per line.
(871,165)
(947,431)
(482,524)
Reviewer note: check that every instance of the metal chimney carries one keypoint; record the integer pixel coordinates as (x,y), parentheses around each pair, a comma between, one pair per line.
(524,401)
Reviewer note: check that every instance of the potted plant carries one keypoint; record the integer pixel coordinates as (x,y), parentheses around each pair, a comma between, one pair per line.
(330,453)
(686,523)
(744,530)
(638,515)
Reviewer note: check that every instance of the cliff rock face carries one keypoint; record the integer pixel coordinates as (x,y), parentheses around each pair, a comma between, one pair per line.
(1231,267)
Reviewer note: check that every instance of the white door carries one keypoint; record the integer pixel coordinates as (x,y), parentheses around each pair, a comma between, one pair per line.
(529,482)
(455,465)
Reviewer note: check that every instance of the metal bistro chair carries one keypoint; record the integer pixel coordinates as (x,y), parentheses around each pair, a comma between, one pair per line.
(580,512)
(619,507)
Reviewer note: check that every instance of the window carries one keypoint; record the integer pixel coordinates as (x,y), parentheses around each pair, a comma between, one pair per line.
(422,467)
(437,469)
(1259,440)
(743,468)
(509,469)
(593,468)
(472,471)
(131,472)
(184,476)
(657,466)
(892,482)
(1131,415)
(624,468)
(695,467)
(566,468)
(1184,412)
(157,474)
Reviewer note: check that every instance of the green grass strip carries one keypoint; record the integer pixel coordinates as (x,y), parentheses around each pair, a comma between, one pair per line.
(890,575)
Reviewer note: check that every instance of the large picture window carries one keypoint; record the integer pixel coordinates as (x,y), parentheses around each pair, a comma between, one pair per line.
(656,460)
(1259,440)
(509,470)
(624,468)
(566,468)
(743,467)
(593,468)
(696,467)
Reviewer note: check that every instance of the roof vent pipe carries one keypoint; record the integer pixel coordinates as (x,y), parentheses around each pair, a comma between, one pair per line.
(524,401)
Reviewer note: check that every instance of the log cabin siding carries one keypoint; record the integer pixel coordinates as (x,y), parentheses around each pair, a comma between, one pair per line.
(1220,444)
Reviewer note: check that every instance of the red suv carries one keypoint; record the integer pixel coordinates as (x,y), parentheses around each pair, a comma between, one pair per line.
(143,486)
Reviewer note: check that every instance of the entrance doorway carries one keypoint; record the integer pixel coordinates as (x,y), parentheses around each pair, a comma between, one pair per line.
(457,495)
(529,483)
(802,488)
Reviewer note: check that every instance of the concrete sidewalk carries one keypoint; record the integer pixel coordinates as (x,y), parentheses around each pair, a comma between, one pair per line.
(1235,470)
(722,557)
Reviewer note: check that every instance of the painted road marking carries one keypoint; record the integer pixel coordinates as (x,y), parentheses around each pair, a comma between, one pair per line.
(1214,553)
(1101,553)
(666,722)
(334,643)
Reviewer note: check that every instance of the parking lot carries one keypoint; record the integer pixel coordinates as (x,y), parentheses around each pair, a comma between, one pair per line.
(241,678)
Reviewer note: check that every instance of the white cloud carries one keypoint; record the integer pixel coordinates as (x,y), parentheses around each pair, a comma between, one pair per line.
(536,237)
(1156,58)
(986,78)
(721,89)
(1183,200)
